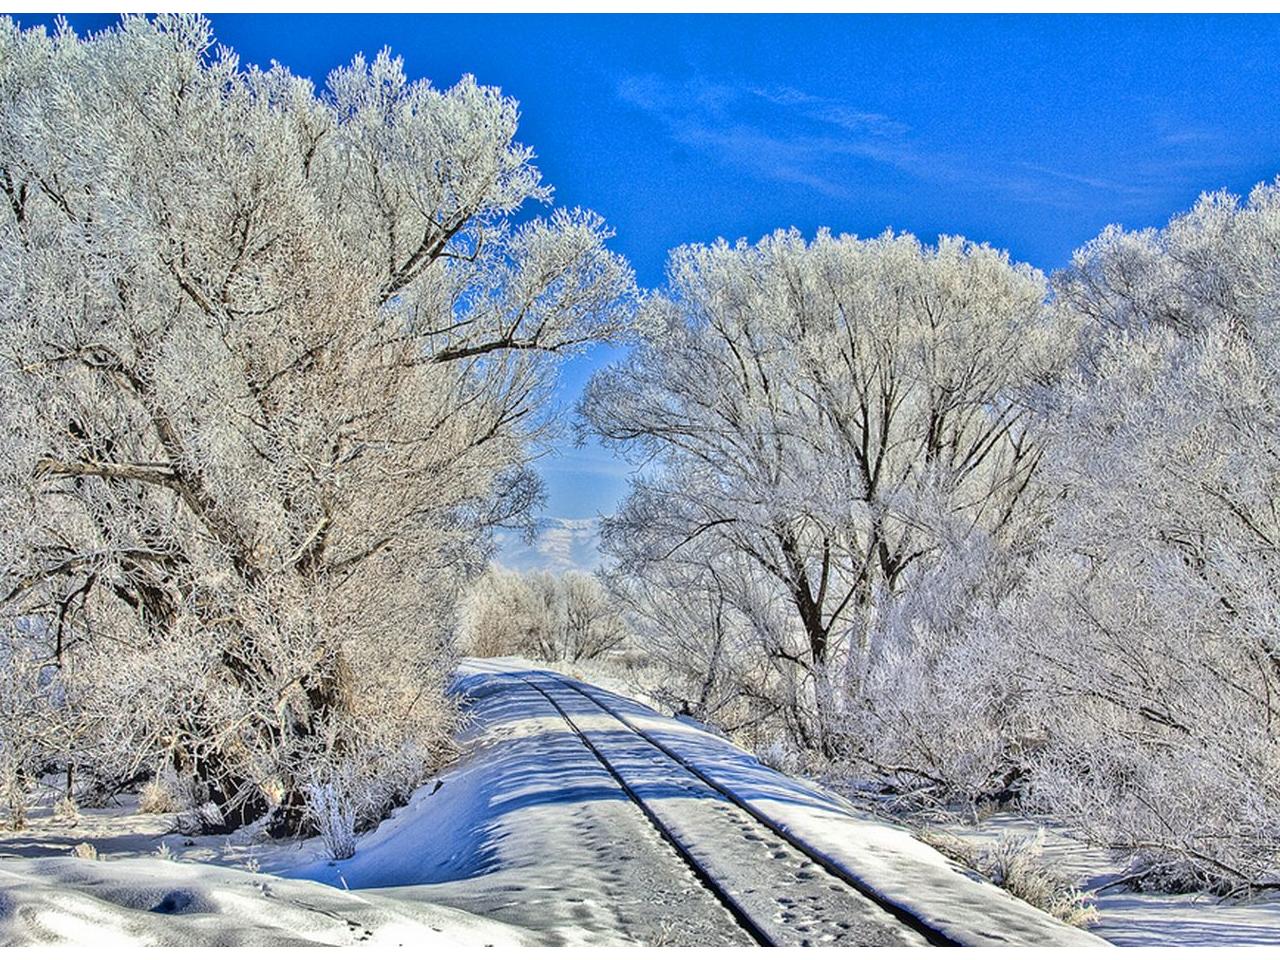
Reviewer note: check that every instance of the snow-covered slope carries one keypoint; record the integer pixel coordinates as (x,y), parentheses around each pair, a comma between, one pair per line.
(532,831)
(526,840)
(901,869)
(153,902)
(559,545)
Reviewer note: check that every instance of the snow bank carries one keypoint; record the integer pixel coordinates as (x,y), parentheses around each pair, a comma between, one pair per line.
(530,830)
(154,902)
(1128,918)
(901,869)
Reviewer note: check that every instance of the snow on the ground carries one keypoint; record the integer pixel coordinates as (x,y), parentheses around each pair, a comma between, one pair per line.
(1128,918)
(529,829)
(152,886)
(528,840)
(122,830)
(790,899)
(628,673)
(1125,917)
(156,902)
(899,867)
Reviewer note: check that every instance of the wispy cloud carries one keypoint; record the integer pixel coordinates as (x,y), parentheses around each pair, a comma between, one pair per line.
(833,112)
(1096,183)
(780,133)
(828,144)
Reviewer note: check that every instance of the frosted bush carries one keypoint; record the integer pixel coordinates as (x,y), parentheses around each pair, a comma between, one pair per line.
(938,685)
(166,792)
(67,810)
(555,618)
(334,818)
(14,790)
(782,755)
(30,715)
(1016,862)
(1151,616)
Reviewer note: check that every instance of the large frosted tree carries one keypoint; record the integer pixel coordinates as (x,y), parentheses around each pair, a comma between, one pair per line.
(1150,617)
(271,360)
(820,422)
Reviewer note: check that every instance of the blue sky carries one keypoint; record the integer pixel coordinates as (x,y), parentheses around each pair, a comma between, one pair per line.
(1031,133)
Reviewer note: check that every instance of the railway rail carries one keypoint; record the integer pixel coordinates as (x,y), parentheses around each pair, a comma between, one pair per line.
(778,888)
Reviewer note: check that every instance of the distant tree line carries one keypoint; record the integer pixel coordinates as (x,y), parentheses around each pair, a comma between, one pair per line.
(557,618)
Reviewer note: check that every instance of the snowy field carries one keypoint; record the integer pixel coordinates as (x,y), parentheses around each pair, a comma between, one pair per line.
(149,886)
(527,840)
(132,901)
(1132,919)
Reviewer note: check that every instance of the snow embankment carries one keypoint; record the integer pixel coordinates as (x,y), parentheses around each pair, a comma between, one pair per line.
(530,830)
(527,840)
(899,868)
(155,902)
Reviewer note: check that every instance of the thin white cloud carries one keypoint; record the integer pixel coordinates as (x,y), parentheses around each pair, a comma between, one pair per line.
(782,133)
(559,545)
(793,136)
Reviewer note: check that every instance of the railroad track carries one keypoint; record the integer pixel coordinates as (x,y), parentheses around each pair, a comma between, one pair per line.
(777,887)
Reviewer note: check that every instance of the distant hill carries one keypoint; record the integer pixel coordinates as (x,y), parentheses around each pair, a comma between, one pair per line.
(559,545)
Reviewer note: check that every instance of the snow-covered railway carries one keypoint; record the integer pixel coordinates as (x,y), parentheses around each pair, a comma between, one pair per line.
(547,825)
(779,889)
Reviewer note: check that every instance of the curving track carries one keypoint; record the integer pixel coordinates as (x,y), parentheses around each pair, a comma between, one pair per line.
(778,889)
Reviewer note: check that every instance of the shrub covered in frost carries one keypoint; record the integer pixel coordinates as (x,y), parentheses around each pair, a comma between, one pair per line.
(165,792)
(333,815)
(1016,862)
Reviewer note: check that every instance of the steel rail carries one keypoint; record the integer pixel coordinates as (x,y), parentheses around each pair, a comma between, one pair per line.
(900,913)
(714,887)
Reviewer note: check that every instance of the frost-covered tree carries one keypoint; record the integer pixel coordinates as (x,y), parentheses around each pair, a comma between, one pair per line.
(592,626)
(504,615)
(566,617)
(33,721)
(1151,617)
(819,421)
(703,643)
(271,360)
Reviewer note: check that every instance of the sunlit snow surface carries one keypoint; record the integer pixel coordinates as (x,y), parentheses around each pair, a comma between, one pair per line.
(530,830)
(154,902)
(527,839)
(1134,919)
